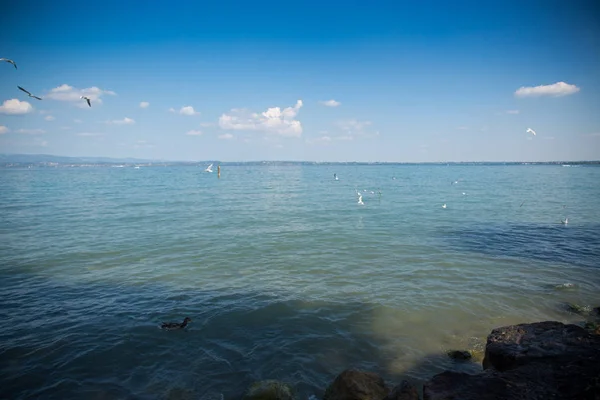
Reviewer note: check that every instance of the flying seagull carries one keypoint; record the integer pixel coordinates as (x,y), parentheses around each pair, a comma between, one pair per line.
(29,94)
(86,99)
(209,168)
(9,61)
(529,130)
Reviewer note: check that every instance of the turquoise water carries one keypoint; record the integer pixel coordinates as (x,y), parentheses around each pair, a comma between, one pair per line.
(284,275)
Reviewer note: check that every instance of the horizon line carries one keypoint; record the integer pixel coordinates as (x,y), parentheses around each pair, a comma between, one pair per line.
(149,160)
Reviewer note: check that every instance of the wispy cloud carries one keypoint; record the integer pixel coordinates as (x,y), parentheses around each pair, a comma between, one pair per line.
(142,144)
(31,131)
(330,103)
(556,89)
(512,111)
(144,104)
(194,132)
(225,136)
(322,140)
(462,128)
(77,121)
(595,135)
(187,110)
(273,120)
(354,128)
(15,107)
(49,118)
(89,134)
(73,95)
(39,143)
(207,124)
(124,121)
(3,130)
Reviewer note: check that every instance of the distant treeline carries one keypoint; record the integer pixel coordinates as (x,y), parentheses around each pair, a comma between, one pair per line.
(21,160)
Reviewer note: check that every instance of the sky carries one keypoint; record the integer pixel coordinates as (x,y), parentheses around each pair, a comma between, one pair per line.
(389,81)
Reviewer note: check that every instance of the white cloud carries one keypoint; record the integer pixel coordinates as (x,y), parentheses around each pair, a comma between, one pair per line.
(512,111)
(330,103)
(194,133)
(556,89)
(31,131)
(226,136)
(353,128)
(124,121)
(49,118)
(3,129)
(187,110)
(88,134)
(15,107)
(77,121)
(274,120)
(71,94)
(144,104)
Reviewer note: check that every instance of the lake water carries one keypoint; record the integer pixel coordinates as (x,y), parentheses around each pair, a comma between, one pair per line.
(284,275)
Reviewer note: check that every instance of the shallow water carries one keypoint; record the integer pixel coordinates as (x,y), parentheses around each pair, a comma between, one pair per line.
(284,275)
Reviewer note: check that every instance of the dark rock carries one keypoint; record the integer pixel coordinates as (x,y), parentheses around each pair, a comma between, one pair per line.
(545,360)
(356,385)
(269,390)
(552,342)
(403,391)
(536,381)
(459,355)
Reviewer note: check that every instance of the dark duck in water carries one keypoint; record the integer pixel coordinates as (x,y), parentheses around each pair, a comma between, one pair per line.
(176,325)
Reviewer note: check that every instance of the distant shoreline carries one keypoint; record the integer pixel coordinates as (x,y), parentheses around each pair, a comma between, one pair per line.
(20,160)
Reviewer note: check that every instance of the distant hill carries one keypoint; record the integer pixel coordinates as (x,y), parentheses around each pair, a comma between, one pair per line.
(41,159)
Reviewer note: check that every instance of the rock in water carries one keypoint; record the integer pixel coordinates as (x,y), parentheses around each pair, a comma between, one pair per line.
(356,385)
(404,391)
(545,360)
(459,355)
(549,342)
(269,390)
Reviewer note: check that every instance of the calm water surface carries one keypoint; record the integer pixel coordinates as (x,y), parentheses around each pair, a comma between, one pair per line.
(284,275)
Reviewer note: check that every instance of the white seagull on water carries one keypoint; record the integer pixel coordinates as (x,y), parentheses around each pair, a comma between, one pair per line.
(529,130)
(86,99)
(360,201)
(29,94)
(209,168)
(9,61)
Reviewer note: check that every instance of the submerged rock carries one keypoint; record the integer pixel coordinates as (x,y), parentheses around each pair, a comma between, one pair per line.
(459,355)
(356,385)
(578,308)
(269,390)
(545,360)
(403,391)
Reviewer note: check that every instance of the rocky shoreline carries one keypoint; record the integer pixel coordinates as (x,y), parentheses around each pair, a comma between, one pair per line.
(542,360)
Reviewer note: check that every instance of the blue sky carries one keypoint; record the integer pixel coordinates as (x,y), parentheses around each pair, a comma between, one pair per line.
(316,81)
